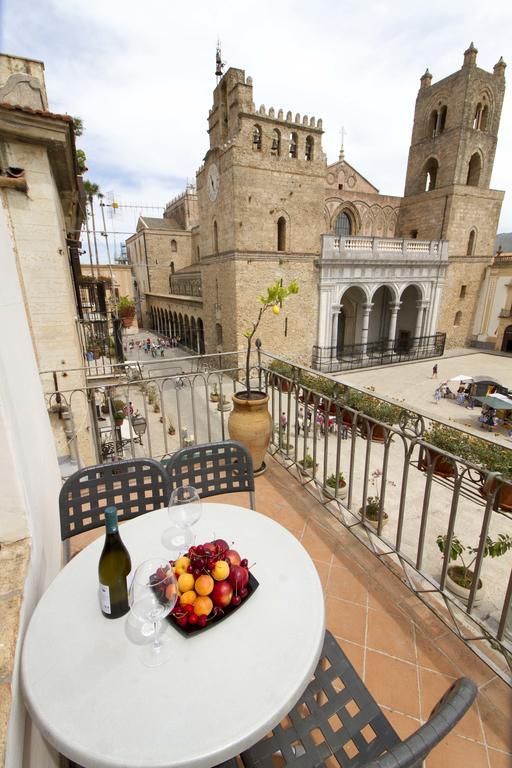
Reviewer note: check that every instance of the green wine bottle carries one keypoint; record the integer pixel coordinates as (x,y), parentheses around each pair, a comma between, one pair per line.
(113,569)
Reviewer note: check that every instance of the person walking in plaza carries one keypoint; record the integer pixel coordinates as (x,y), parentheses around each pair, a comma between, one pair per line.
(434,371)
(437,395)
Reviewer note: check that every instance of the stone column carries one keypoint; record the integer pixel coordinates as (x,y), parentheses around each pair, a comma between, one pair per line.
(394,306)
(421,306)
(367,308)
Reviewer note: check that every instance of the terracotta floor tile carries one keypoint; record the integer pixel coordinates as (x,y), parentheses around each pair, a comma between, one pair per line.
(323,571)
(347,585)
(289,518)
(464,659)
(423,617)
(393,683)
(499,759)
(392,634)
(496,723)
(430,657)
(381,599)
(318,544)
(455,751)
(403,724)
(346,620)
(355,655)
(432,686)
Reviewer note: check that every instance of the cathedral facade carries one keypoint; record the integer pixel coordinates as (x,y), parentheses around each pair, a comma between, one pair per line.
(374,271)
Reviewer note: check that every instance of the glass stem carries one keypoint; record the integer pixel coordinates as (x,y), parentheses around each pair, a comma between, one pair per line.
(156,643)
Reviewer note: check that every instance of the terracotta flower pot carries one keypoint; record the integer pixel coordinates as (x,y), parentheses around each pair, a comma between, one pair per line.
(443,467)
(250,423)
(505,495)
(379,433)
(127,321)
(462,592)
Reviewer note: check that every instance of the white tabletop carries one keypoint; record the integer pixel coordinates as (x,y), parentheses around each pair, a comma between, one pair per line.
(92,698)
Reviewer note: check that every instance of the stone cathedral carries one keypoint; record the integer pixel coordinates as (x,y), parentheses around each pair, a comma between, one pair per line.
(374,271)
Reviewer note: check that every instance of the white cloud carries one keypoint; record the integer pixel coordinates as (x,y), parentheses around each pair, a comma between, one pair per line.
(141,76)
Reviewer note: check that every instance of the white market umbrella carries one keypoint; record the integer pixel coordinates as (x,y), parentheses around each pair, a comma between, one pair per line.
(461,377)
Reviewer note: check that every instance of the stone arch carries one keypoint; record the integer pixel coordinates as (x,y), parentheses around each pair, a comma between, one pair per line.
(506,344)
(411,296)
(282,230)
(309,148)
(181,328)
(175,324)
(430,174)
(174,245)
(457,320)
(475,168)
(166,329)
(348,323)
(275,147)
(351,211)
(392,288)
(256,138)
(186,323)
(193,334)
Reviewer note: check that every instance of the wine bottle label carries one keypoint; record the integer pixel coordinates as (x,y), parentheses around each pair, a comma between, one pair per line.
(105,599)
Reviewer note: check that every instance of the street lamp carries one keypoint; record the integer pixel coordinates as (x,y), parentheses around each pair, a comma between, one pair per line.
(139,425)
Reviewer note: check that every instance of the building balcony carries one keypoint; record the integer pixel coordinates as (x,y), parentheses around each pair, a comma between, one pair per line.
(377,249)
(387,597)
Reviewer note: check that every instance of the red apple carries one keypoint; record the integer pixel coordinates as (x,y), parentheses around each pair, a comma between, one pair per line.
(233,556)
(222,545)
(238,577)
(221,594)
(210,549)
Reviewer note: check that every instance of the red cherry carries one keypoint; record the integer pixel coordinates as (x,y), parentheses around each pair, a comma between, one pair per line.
(183,620)
(236,600)
(201,621)
(244,592)
(200,549)
(201,562)
(192,619)
(190,569)
(196,572)
(189,608)
(244,563)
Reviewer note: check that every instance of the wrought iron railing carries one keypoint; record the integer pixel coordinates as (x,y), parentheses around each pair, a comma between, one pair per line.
(381,352)
(400,491)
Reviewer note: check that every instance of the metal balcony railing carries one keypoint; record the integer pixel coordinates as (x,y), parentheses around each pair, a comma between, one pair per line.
(400,491)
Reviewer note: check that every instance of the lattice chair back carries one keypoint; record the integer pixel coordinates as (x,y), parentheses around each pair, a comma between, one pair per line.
(134,486)
(213,469)
(338,724)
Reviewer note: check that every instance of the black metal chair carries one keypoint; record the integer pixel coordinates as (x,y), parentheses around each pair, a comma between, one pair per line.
(134,486)
(213,469)
(337,722)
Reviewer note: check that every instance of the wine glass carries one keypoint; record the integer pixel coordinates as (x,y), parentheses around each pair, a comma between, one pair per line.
(184,510)
(153,594)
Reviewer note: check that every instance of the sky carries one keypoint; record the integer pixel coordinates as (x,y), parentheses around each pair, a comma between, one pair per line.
(141,76)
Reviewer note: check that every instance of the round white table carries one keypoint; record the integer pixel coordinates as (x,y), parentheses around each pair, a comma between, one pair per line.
(93,699)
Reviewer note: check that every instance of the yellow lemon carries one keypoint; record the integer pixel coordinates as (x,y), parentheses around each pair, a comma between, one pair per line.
(275,309)
(188,598)
(185,582)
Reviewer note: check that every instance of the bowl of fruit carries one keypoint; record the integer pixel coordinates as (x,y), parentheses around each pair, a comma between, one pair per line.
(213,582)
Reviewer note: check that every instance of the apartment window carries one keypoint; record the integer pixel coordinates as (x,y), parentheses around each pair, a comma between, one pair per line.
(458,318)
(174,246)
(462,294)
(281,234)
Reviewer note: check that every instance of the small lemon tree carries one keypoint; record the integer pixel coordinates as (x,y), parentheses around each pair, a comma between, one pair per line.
(273,299)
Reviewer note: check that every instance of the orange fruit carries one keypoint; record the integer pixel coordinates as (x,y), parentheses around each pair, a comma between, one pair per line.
(204,585)
(202,606)
(185,582)
(220,570)
(188,597)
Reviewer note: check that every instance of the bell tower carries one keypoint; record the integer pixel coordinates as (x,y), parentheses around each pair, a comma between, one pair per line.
(447,192)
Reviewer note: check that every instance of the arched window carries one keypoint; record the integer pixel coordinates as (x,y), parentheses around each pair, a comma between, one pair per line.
(174,246)
(474,169)
(292,149)
(215,238)
(281,234)
(430,174)
(484,119)
(218,334)
(256,138)
(308,149)
(476,117)
(458,318)
(442,118)
(275,148)
(343,226)
(471,243)
(432,123)
(172,267)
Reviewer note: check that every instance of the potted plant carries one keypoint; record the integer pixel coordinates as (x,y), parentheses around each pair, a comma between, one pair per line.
(447,439)
(306,464)
(126,310)
(380,411)
(118,407)
(373,503)
(459,578)
(281,373)
(214,395)
(332,483)
(497,459)
(223,405)
(249,421)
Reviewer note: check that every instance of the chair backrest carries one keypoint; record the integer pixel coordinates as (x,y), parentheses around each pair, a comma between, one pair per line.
(133,486)
(213,469)
(451,708)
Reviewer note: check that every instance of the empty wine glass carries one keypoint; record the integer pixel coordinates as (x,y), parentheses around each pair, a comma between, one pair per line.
(184,510)
(153,594)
